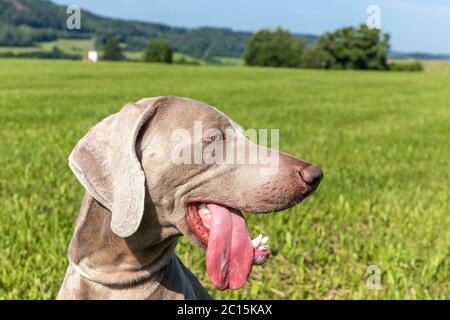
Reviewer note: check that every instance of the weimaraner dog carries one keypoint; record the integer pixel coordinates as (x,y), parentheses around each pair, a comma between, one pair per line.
(139,201)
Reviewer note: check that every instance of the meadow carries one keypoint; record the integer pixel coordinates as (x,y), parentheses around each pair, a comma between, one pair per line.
(82,46)
(70,46)
(381,138)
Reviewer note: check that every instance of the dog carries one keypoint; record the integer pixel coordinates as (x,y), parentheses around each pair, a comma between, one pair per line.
(139,200)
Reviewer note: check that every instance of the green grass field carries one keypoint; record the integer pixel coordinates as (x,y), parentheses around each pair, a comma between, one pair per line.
(381,139)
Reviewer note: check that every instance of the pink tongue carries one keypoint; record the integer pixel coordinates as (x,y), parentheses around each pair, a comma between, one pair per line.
(229,256)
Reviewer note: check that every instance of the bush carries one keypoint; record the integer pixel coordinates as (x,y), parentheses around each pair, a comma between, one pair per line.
(185,61)
(56,53)
(346,48)
(158,51)
(352,48)
(316,58)
(274,49)
(406,66)
(112,51)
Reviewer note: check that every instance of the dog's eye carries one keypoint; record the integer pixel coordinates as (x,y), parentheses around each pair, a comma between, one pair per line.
(216,136)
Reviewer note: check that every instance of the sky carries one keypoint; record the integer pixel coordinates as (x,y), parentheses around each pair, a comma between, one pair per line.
(414,25)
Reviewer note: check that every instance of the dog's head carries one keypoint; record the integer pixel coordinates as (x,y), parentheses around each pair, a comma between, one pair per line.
(199,170)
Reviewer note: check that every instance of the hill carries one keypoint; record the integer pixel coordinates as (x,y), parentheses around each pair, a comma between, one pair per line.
(27,22)
(418,55)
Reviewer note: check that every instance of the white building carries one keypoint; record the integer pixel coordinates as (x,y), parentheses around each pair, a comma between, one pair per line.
(93,56)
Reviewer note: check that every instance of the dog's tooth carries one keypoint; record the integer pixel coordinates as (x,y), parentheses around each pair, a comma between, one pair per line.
(202,208)
(257,241)
(265,239)
(263,247)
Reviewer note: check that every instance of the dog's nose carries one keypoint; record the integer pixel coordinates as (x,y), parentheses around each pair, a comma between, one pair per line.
(311,174)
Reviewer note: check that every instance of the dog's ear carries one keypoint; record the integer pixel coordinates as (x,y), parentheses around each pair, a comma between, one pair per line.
(106,164)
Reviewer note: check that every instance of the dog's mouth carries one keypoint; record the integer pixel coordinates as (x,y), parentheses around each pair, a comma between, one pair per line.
(230,250)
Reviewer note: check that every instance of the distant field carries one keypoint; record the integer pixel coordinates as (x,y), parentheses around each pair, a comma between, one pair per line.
(231,61)
(381,139)
(75,46)
(139,56)
(82,46)
(439,66)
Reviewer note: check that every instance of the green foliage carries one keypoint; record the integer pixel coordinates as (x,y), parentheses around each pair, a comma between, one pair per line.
(112,51)
(346,48)
(274,49)
(374,137)
(406,66)
(55,53)
(22,36)
(351,48)
(158,51)
(15,36)
(26,22)
(32,13)
(315,58)
(204,43)
(184,60)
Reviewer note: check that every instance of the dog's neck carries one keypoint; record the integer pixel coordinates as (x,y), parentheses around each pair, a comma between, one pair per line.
(104,257)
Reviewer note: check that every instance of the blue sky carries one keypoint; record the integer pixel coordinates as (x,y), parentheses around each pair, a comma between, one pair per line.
(415,25)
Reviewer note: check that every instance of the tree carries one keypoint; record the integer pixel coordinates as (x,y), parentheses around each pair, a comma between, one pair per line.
(112,50)
(158,51)
(56,53)
(316,58)
(350,48)
(274,49)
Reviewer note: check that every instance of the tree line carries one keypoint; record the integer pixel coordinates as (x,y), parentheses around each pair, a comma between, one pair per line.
(346,48)
(157,51)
